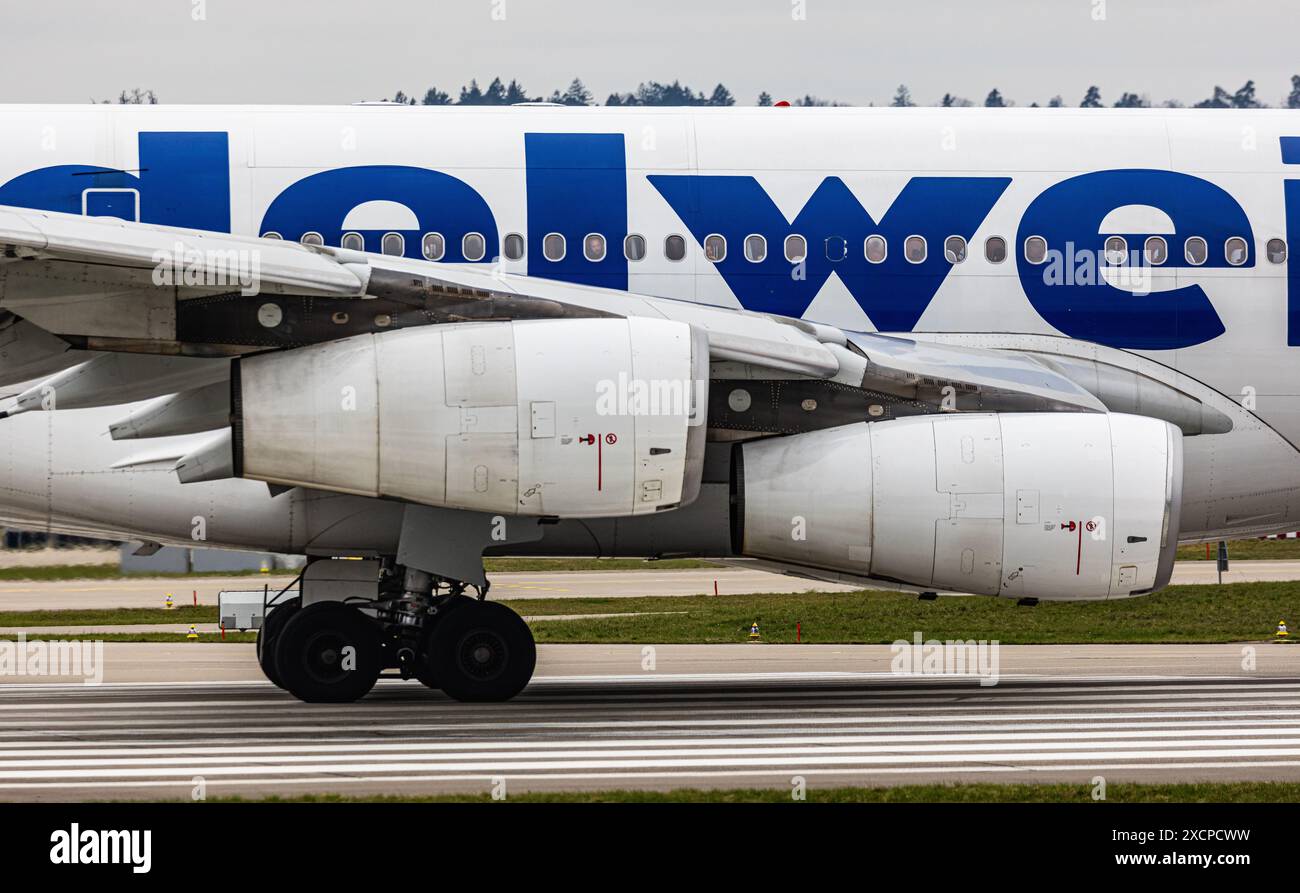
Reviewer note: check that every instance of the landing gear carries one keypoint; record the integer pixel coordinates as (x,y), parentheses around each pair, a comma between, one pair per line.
(329,652)
(480,651)
(270,632)
(416,623)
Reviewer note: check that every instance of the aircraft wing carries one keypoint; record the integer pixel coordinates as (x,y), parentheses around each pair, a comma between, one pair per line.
(104,311)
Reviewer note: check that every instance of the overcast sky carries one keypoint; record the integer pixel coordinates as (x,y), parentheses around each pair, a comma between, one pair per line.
(854,51)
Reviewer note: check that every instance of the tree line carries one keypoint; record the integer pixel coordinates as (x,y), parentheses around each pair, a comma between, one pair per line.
(677,94)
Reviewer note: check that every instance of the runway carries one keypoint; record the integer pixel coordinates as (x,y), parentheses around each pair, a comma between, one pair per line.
(705,716)
(140,592)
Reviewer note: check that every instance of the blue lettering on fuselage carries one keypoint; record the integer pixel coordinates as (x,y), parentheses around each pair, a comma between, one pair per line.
(1291,155)
(439,202)
(1070,213)
(184,180)
(577,185)
(894,293)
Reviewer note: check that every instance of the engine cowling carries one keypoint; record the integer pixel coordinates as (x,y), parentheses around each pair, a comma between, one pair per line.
(569,418)
(1042,505)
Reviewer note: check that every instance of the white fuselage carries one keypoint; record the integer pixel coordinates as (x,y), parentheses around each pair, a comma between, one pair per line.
(979,227)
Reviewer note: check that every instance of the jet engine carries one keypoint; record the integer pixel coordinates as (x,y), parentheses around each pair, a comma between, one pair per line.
(569,418)
(1024,505)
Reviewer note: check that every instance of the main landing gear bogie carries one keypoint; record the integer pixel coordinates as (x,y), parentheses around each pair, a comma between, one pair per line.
(333,651)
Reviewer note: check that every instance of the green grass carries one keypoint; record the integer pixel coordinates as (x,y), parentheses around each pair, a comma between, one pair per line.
(107,616)
(59,572)
(246,638)
(1227,792)
(1230,613)
(1245,550)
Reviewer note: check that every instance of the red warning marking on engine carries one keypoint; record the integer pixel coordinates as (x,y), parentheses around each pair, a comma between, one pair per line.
(611,439)
(1078,556)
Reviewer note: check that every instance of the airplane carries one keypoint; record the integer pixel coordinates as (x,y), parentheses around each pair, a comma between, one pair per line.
(1021,353)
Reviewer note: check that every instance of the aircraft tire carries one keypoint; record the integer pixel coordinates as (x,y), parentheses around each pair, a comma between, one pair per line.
(329,652)
(482,651)
(270,632)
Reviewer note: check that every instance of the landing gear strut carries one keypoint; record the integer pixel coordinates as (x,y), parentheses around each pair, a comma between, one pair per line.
(421,625)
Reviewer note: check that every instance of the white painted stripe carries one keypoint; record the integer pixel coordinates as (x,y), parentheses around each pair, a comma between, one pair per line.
(992,711)
(794,762)
(546,680)
(1090,719)
(18,756)
(1206,725)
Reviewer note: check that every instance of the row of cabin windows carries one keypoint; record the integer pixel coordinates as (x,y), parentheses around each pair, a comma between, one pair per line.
(1155,250)
(915,250)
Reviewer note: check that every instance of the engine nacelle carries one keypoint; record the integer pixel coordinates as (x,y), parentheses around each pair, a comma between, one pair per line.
(1043,505)
(570,418)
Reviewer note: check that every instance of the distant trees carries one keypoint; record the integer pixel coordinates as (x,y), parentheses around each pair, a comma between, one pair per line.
(903,97)
(654,93)
(134,96)
(1242,99)
(576,94)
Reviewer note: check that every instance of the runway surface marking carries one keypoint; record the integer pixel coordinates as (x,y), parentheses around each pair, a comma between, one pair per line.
(61,741)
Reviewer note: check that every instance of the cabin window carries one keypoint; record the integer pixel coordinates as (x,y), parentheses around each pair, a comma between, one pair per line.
(433,246)
(796,249)
(715,248)
(876,249)
(593,247)
(513,246)
(1035,249)
(755,249)
(553,247)
(353,242)
(1116,251)
(995,249)
(915,249)
(393,244)
(674,248)
(954,249)
(1276,251)
(1196,251)
(1236,250)
(271,236)
(473,246)
(634,247)
(1156,250)
(312,239)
